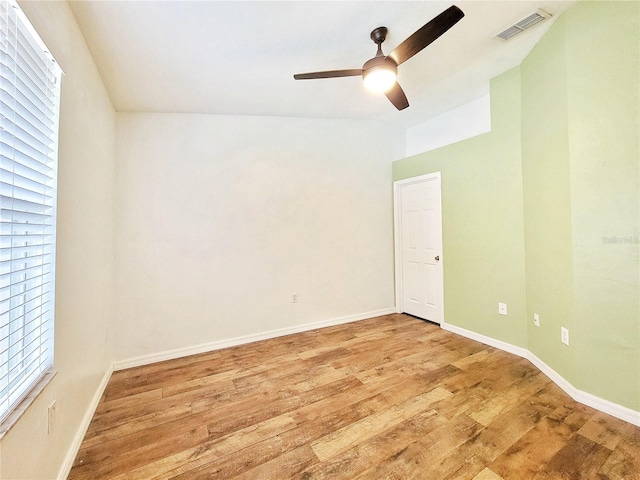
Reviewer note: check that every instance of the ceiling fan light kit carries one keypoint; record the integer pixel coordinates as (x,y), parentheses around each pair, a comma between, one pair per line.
(379,73)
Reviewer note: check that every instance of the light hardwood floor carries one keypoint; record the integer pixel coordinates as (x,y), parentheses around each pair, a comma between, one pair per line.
(386,398)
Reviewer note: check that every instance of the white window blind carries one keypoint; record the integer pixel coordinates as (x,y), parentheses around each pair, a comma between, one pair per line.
(29,106)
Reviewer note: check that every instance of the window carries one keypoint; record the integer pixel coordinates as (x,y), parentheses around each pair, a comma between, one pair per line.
(29,105)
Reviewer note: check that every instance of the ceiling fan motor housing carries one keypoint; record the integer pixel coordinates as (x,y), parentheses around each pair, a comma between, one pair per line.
(378,35)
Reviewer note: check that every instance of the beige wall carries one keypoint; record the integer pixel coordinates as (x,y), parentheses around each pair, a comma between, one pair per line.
(222,218)
(218,220)
(84,261)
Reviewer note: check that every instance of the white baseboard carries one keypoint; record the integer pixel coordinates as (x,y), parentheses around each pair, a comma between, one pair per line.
(507,347)
(84,426)
(610,408)
(233,342)
(606,406)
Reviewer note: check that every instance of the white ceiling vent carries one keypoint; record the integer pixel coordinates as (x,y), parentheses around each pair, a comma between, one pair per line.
(527,22)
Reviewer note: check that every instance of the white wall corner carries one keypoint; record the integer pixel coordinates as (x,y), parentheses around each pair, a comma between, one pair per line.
(466,121)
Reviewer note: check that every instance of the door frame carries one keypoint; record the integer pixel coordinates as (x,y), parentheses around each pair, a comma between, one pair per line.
(397,229)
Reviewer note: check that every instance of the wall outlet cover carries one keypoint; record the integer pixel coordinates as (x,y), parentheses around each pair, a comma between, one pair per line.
(536,319)
(564,335)
(502,308)
(51,417)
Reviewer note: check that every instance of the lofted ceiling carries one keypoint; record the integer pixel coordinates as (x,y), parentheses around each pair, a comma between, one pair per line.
(239,57)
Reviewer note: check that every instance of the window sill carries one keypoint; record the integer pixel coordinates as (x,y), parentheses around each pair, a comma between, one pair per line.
(17,412)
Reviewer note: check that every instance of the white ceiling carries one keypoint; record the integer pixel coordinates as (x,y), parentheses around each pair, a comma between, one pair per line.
(239,57)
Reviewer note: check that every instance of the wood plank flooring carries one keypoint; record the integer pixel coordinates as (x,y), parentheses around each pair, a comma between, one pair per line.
(385,398)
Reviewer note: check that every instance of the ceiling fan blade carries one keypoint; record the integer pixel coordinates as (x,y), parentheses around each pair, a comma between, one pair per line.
(397,97)
(356,72)
(426,34)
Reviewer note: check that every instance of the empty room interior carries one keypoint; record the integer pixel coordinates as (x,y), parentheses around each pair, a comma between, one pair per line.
(236,291)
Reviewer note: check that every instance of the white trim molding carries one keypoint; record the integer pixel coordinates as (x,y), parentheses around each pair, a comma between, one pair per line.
(606,406)
(233,342)
(504,346)
(74,448)
(397,229)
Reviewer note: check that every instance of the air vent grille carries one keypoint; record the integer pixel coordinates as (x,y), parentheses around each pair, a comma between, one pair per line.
(527,22)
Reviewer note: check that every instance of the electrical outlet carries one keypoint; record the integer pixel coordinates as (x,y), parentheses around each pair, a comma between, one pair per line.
(51,417)
(564,335)
(294,298)
(502,308)
(536,319)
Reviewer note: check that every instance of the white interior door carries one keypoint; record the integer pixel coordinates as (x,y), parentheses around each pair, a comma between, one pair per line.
(419,247)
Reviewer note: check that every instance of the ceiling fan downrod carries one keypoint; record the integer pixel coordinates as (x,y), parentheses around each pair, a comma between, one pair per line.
(379,35)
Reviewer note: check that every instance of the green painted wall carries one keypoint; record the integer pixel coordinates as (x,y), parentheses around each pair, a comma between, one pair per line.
(547,201)
(544,213)
(580,162)
(482,224)
(604,132)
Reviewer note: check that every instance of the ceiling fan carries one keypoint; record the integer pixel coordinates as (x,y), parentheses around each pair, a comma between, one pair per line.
(379,73)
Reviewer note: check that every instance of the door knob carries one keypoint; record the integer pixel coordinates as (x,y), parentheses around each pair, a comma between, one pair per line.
(437,258)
